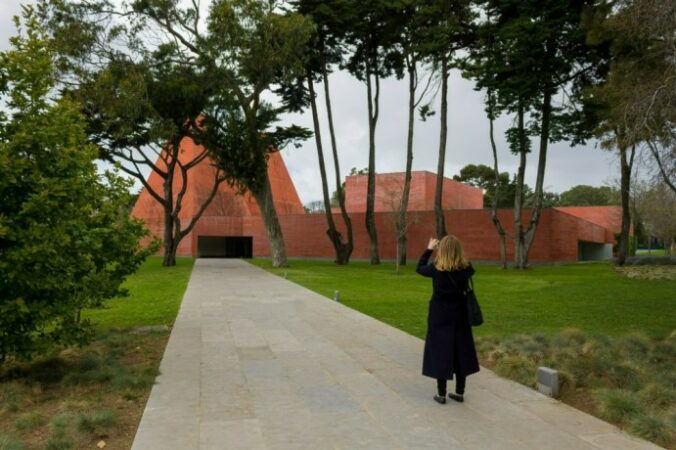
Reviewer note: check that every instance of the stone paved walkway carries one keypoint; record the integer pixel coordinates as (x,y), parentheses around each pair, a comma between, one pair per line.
(257,362)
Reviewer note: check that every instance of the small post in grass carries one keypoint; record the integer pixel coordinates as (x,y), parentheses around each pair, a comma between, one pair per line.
(548,381)
(336,296)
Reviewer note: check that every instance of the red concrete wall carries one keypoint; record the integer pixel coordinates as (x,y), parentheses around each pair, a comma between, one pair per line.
(609,217)
(389,187)
(305,234)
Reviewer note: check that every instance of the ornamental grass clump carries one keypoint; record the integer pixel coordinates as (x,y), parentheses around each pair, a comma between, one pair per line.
(95,420)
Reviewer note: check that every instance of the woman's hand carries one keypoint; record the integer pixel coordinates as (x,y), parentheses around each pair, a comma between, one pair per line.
(432,244)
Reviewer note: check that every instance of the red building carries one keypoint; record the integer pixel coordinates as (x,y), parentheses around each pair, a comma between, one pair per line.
(232,226)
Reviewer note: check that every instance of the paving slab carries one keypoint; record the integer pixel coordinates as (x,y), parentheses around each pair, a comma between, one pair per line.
(257,362)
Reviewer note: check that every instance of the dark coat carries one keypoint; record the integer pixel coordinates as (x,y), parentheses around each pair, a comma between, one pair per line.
(449,345)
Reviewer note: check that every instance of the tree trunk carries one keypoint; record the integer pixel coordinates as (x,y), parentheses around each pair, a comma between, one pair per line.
(371,187)
(540,178)
(625,183)
(519,261)
(402,226)
(263,197)
(346,248)
(496,193)
(438,211)
(397,263)
(333,234)
(169,245)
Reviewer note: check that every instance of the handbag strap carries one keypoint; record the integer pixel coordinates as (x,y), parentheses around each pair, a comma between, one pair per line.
(470,283)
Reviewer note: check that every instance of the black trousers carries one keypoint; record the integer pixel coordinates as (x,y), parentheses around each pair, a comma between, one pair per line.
(459,380)
(459,385)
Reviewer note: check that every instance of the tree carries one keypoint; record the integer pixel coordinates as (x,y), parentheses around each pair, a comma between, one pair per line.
(140,114)
(372,38)
(448,31)
(393,193)
(483,177)
(315,207)
(324,50)
(657,208)
(66,240)
(249,46)
(412,20)
(643,71)
(632,105)
(140,105)
(525,53)
(584,195)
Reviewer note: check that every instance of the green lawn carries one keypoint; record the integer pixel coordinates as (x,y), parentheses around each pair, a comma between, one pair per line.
(591,297)
(155,296)
(652,252)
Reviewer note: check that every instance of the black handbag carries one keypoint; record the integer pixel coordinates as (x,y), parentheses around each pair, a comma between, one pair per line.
(474,314)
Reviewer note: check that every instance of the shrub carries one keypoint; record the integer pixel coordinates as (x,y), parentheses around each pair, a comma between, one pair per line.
(29,421)
(90,421)
(653,428)
(133,380)
(617,405)
(65,243)
(517,368)
(657,397)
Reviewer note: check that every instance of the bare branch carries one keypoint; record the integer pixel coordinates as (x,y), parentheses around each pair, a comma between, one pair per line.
(658,160)
(217,181)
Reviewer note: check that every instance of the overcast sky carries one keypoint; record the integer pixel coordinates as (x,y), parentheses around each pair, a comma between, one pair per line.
(468,141)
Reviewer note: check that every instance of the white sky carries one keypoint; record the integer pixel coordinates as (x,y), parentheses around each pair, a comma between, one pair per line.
(468,141)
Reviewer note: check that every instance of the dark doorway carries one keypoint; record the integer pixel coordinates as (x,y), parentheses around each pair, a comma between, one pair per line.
(224,246)
(593,251)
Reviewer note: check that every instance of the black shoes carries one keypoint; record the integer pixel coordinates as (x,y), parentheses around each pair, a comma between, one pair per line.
(457,397)
(440,399)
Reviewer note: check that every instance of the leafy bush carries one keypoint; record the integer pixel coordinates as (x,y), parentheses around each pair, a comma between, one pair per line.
(66,242)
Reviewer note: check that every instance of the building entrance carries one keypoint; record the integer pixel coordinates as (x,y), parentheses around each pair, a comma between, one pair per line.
(224,246)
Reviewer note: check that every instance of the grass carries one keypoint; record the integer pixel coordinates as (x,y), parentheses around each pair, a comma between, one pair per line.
(591,297)
(156,294)
(651,252)
(97,392)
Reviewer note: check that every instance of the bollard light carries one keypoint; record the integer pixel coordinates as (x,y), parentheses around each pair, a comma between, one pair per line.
(336,295)
(548,381)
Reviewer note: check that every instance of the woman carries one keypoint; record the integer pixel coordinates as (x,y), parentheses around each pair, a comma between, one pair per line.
(449,345)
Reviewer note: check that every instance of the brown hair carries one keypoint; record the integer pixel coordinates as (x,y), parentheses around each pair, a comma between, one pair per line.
(450,255)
